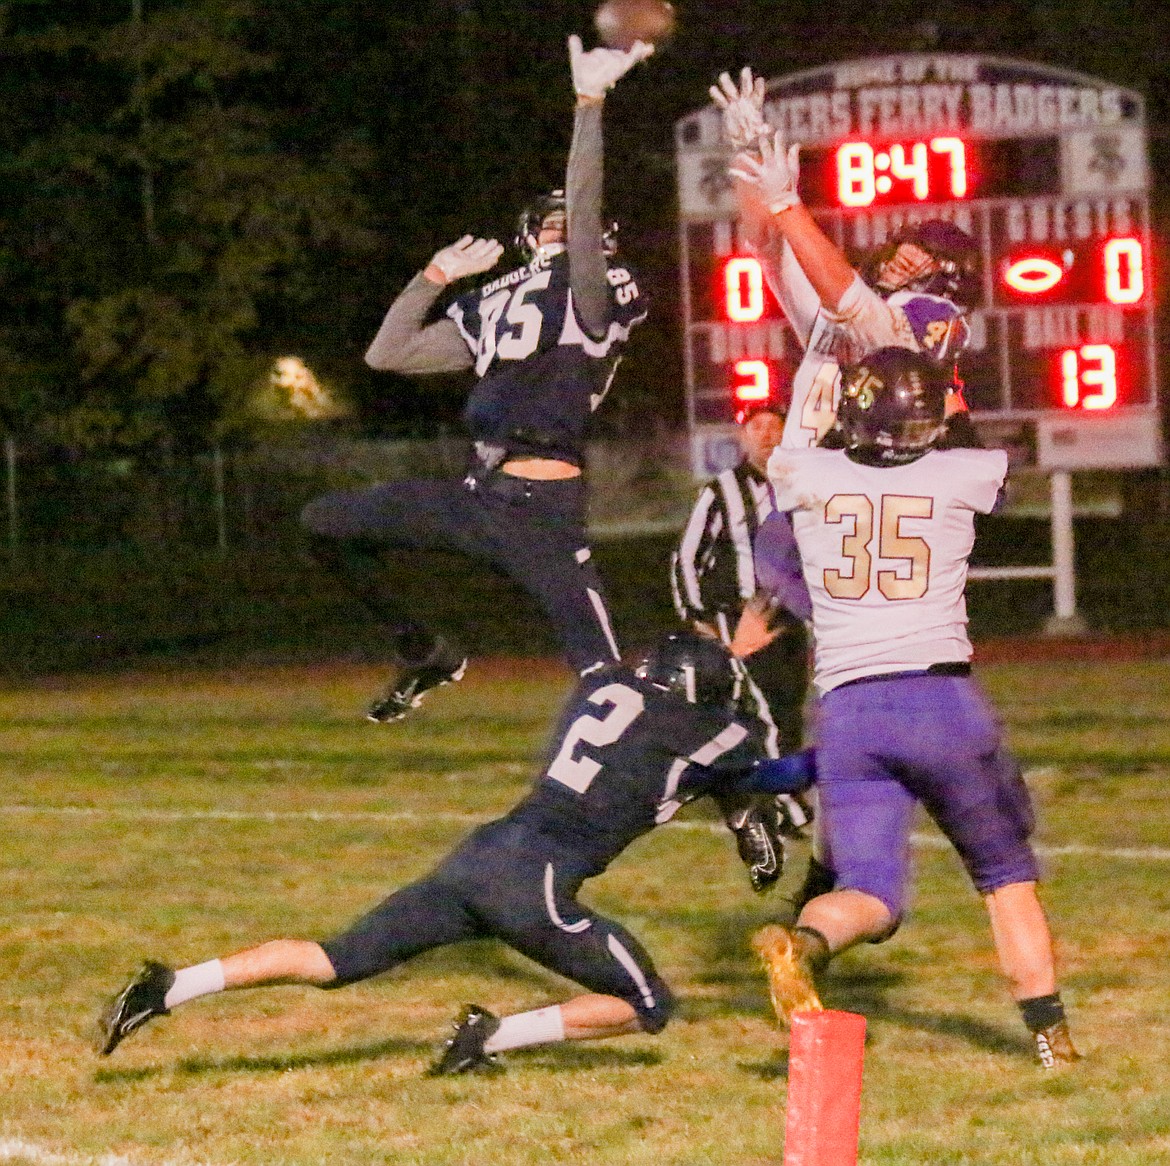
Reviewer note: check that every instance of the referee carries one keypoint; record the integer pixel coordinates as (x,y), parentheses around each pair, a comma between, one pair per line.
(713,576)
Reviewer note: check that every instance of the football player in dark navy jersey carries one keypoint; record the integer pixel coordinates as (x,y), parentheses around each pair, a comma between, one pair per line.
(631,747)
(544,340)
(528,331)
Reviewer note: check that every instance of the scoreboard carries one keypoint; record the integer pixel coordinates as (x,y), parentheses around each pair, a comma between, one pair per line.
(1045,169)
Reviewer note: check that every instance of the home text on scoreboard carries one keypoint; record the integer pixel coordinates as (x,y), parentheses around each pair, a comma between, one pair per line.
(1046,169)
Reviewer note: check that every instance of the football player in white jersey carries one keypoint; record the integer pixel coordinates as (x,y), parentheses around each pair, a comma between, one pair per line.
(917,285)
(913,295)
(885,527)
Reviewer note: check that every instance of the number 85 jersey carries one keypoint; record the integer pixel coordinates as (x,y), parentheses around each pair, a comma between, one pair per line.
(884,552)
(541,373)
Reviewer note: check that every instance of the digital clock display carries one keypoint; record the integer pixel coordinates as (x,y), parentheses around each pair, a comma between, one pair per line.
(939,169)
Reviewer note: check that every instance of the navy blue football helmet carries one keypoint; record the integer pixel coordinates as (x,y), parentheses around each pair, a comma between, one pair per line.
(699,669)
(955,273)
(534,216)
(893,405)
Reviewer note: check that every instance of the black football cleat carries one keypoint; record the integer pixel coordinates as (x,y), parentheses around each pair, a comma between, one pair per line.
(464,1052)
(143,998)
(445,665)
(1054,1046)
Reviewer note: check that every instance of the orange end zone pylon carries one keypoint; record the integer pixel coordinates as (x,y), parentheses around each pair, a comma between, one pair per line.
(826,1053)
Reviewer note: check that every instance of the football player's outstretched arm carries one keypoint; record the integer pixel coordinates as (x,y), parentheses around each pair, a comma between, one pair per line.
(774,174)
(404,344)
(744,127)
(583,186)
(594,73)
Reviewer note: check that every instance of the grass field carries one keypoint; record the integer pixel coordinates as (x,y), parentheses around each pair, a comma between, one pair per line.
(185,814)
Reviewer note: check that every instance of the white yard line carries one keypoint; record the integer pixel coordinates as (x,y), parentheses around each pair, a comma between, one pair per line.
(147,814)
(22,1150)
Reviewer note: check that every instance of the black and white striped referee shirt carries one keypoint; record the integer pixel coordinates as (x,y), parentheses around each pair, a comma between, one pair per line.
(713,571)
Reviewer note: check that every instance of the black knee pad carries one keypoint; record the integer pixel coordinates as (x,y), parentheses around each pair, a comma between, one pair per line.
(653,1018)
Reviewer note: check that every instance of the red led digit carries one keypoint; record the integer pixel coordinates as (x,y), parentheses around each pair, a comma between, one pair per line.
(1033,275)
(914,171)
(958,154)
(1125,281)
(743,283)
(856,181)
(865,176)
(757,382)
(1090,367)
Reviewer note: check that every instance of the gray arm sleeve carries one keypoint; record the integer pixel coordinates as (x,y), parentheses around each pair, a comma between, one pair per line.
(405,345)
(583,188)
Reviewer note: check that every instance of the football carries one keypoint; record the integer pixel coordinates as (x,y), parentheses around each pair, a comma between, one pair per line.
(621,22)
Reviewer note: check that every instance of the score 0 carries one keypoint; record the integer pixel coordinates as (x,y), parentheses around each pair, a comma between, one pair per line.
(743,289)
(863,173)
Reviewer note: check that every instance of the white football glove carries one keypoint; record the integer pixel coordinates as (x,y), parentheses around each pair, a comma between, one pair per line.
(467,256)
(776,172)
(743,109)
(598,70)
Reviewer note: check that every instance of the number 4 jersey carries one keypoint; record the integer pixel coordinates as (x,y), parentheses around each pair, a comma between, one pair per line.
(885,551)
(863,322)
(541,373)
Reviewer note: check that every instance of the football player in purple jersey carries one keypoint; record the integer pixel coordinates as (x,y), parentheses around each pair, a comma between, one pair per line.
(911,292)
(544,339)
(885,527)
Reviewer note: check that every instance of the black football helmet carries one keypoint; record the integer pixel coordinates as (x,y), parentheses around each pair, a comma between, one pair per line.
(955,275)
(697,668)
(534,216)
(893,405)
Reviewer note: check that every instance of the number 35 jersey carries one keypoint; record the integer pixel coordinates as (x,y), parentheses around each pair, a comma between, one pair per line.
(624,758)
(541,374)
(884,552)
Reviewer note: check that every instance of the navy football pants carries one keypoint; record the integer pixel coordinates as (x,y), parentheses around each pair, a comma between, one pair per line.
(507,882)
(532,531)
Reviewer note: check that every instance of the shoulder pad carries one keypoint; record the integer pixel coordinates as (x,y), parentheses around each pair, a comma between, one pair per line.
(938,325)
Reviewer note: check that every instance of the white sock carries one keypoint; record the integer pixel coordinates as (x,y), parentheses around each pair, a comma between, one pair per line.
(200,980)
(543,1026)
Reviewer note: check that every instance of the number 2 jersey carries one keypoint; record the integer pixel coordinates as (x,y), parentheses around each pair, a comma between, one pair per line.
(625,757)
(541,373)
(885,552)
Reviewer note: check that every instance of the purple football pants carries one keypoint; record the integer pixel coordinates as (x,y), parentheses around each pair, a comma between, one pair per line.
(885,745)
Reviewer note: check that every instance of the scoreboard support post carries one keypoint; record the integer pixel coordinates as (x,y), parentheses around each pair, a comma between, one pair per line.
(1065,620)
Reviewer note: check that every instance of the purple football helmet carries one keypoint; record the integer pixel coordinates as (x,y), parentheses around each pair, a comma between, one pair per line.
(893,405)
